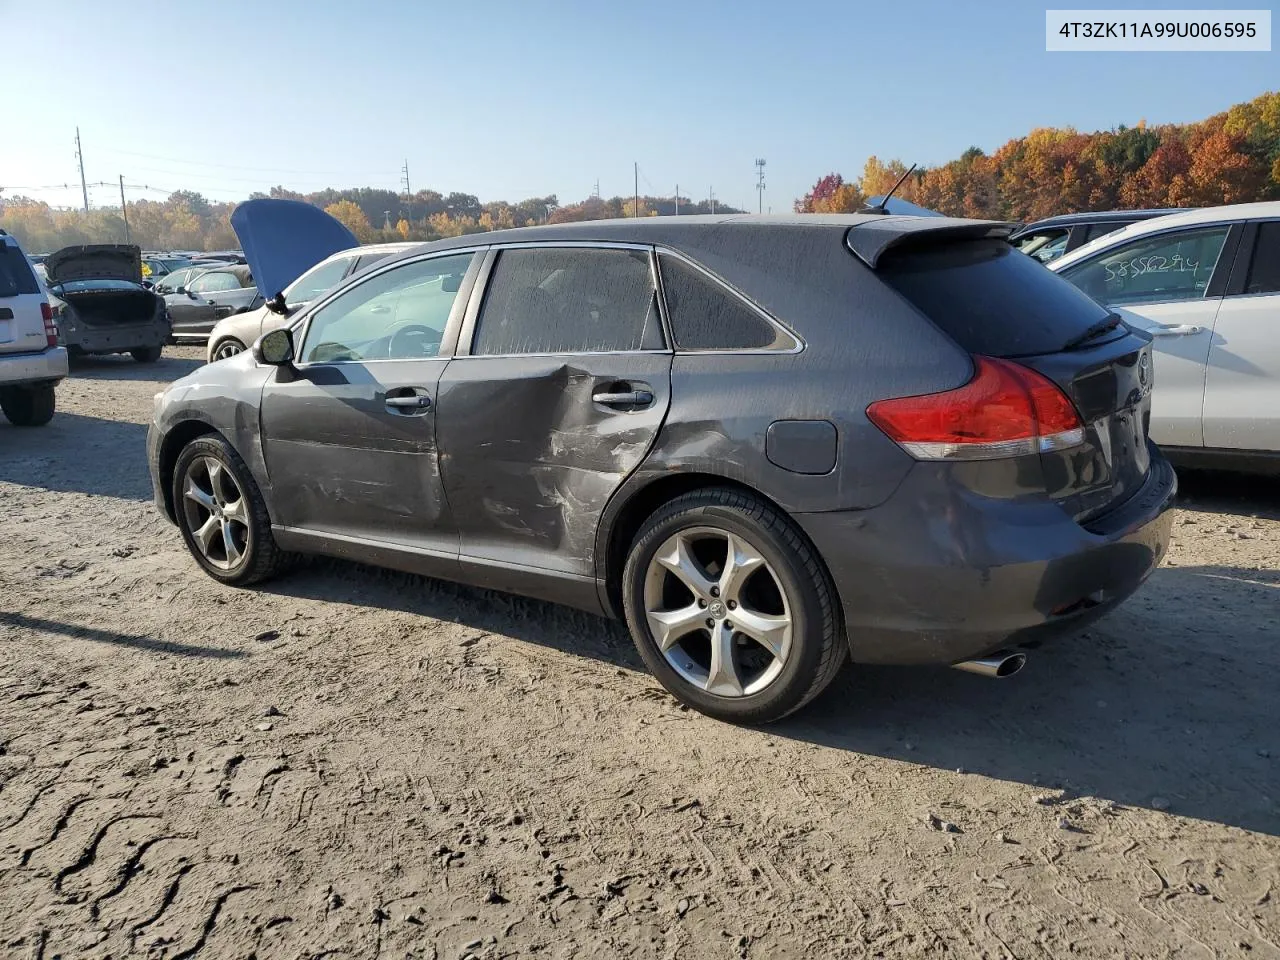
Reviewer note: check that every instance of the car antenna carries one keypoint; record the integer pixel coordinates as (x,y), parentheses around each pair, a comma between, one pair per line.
(882,208)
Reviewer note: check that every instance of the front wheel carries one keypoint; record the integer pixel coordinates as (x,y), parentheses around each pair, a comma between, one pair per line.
(146,354)
(222,515)
(731,608)
(227,348)
(30,406)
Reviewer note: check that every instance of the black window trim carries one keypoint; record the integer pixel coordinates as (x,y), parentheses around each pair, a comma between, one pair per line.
(798,343)
(1222,270)
(1236,285)
(448,345)
(466,338)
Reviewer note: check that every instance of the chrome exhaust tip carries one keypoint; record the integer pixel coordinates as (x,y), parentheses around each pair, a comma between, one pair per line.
(999,665)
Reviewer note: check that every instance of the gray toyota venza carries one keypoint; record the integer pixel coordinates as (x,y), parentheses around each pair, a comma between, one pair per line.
(766,443)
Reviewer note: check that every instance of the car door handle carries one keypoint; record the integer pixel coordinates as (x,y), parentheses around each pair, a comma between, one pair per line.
(1177,330)
(416,401)
(626,398)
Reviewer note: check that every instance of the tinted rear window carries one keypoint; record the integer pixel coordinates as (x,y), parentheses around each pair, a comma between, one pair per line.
(990,298)
(15,273)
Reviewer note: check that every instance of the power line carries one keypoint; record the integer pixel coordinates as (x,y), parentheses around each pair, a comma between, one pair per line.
(238,166)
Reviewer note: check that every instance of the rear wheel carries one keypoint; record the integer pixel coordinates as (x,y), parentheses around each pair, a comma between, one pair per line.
(222,515)
(227,348)
(730,607)
(146,354)
(28,406)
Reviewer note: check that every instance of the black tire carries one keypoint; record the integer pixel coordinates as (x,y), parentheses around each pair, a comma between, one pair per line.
(28,406)
(227,344)
(261,558)
(146,354)
(818,645)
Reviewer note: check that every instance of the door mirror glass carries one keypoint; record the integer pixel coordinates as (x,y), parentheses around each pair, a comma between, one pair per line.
(274,348)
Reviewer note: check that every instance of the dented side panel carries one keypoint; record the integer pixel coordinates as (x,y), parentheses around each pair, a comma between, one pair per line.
(530,459)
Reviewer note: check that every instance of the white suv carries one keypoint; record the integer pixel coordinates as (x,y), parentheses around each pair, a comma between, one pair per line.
(31,362)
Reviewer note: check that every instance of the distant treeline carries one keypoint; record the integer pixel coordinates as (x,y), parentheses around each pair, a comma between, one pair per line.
(187,221)
(1232,157)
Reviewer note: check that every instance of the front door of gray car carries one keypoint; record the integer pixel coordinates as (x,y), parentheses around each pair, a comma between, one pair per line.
(349,433)
(565,381)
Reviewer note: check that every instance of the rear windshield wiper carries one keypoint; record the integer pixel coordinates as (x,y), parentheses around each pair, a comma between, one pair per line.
(1109,322)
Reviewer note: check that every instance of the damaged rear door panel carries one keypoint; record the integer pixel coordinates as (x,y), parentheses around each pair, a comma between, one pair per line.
(562,383)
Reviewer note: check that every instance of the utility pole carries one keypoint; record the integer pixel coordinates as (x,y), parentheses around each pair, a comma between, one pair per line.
(124,210)
(635,211)
(596,192)
(84,188)
(759,185)
(404,178)
(711,197)
(386,219)
(677,199)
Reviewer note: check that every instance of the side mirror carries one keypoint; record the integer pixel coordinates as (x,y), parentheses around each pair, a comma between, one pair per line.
(277,305)
(274,348)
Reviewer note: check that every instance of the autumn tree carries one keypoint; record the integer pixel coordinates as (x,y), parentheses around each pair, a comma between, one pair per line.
(352,217)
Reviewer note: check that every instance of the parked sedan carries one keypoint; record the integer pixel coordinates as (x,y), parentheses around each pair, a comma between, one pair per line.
(768,444)
(100,305)
(209,297)
(1206,286)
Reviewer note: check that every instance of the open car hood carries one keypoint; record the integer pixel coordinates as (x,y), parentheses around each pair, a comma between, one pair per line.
(94,261)
(282,239)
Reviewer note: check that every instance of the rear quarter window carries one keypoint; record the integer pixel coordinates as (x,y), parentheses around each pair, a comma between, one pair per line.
(15,272)
(705,315)
(989,298)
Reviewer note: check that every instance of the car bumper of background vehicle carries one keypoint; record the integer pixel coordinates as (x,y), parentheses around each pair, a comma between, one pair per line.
(931,577)
(16,368)
(115,339)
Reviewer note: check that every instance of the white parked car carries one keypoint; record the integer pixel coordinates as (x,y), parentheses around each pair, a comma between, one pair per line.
(1206,285)
(31,362)
(234,334)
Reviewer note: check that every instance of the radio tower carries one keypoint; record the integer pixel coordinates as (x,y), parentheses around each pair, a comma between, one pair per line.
(759,185)
(404,179)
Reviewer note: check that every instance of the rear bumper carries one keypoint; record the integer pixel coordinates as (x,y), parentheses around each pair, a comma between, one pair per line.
(16,368)
(938,574)
(114,339)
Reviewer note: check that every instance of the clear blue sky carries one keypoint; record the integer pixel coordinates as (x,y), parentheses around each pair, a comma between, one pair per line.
(508,99)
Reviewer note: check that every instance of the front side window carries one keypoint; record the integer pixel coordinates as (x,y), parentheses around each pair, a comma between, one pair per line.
(398,315)
(1152,269)
(321,277)
(569,300)
(1264,270)
(707,316)
(214,282)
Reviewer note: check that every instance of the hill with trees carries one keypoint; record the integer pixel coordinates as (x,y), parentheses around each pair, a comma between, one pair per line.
(1231,157)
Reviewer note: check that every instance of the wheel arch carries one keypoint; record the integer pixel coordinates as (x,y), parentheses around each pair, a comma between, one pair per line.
(171,448)
(633,506)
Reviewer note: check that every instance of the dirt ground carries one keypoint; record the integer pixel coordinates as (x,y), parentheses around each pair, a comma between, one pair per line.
(354,763)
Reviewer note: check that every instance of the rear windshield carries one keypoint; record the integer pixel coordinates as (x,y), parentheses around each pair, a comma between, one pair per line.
(94,286)
(990,298)
(15,273)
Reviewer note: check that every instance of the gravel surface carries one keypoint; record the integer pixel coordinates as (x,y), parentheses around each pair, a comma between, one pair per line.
(355,763)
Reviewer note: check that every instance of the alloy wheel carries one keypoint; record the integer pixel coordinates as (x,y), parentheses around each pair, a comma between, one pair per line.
(216,513)
(228,348)
(718,611)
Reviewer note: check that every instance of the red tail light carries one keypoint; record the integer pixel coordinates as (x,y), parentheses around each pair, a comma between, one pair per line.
(1006,410)
(50,328)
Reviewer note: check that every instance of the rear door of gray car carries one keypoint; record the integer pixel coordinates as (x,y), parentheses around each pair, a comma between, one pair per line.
(349,431)
(560,387)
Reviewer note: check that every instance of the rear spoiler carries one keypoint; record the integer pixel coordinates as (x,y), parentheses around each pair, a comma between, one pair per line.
(871,240)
